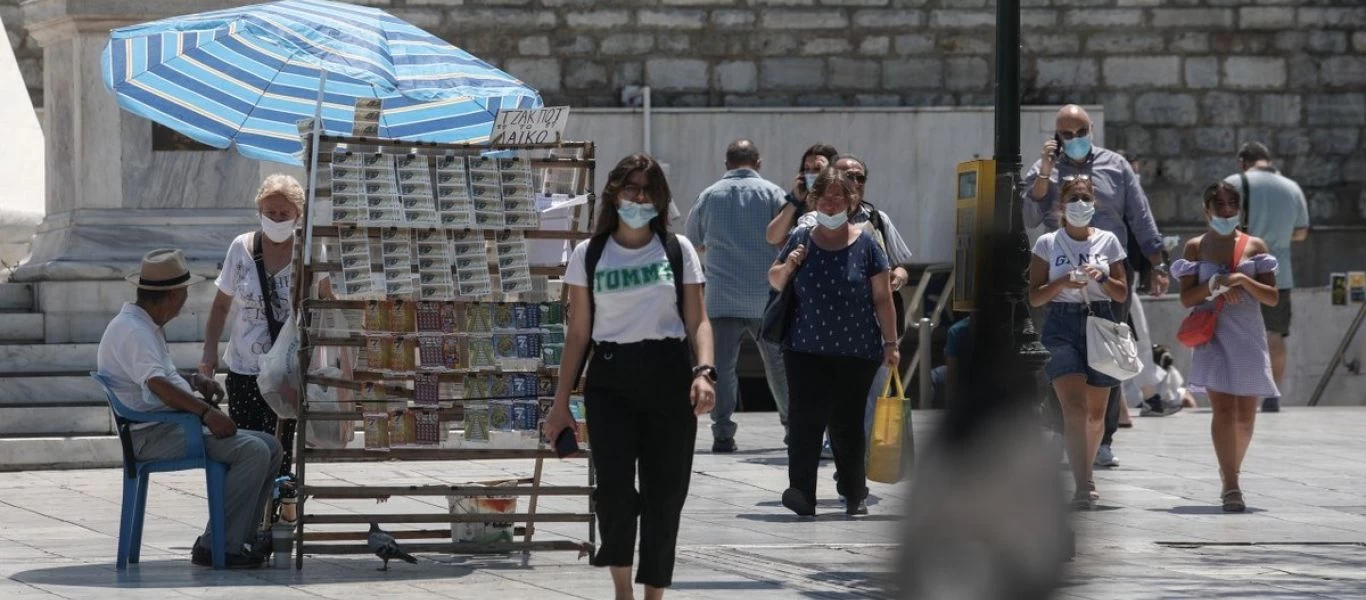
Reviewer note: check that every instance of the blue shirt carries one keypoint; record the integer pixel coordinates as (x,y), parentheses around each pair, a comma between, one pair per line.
(1275,209)
(729,221)
(834,313)
(1121,205)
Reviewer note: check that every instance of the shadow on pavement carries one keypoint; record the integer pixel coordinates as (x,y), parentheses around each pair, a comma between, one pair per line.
(1204,509)
(179,573)
(831,516)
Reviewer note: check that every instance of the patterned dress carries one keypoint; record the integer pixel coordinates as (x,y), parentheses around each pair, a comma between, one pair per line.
(1236,361)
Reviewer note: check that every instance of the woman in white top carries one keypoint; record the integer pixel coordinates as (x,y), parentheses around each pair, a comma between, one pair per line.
(642,393)
(279,203)
(1077,270)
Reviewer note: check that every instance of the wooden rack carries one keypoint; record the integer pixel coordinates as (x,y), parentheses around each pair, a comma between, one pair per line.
(575,159)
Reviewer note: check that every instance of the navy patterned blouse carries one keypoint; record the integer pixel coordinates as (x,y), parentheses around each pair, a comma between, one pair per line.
(834,313)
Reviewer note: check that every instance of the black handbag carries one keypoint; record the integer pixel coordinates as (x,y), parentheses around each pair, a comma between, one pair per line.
(778,313)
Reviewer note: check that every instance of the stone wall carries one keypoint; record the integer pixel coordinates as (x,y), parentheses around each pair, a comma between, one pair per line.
(1183,81)
(26,49)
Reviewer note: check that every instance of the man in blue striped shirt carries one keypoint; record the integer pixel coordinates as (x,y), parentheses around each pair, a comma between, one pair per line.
(727,226)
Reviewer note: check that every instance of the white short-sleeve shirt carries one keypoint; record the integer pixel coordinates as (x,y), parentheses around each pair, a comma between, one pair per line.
(1064,254)
(634,290)
(132,351)
(249,335)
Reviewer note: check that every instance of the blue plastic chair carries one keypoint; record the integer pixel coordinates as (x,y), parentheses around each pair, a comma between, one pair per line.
(136,473)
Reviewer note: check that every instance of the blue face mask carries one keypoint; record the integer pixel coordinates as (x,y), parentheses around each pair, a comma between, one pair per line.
(1077,148)
(1225,226)
(832,221)
(636,216)
(810,179)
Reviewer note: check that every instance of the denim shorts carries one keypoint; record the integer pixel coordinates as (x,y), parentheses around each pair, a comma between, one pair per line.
(1064,334)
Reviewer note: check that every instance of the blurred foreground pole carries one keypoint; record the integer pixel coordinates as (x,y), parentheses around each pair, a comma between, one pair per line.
(987,517)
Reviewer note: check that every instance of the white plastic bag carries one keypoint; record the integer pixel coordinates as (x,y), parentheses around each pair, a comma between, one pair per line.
(279,377)
(328,434)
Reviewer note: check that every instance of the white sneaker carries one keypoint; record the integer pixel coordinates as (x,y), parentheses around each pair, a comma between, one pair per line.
(1106,458)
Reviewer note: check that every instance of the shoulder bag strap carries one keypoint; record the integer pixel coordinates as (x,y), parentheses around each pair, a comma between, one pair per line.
(258,256)
(1247,199)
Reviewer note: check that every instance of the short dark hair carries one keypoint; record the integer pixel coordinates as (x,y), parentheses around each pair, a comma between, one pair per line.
(826,150)
(830,176)
(1211,193)
(853,158)
(152,297)
(1252,152)
(742,152)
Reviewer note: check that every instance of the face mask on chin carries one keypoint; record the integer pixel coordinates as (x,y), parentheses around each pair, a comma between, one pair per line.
(1225,225)
(278,232)
(834,221)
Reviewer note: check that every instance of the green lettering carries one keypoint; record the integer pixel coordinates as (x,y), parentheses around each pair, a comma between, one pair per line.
(630,277)
(650,274)
(613,280)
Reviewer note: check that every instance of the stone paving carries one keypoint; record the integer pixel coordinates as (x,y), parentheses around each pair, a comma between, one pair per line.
(1159,533)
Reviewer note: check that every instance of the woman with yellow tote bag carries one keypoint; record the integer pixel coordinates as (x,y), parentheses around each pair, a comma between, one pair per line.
(885,444)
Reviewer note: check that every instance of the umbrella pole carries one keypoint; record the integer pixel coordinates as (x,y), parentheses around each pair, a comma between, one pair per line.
(313,168)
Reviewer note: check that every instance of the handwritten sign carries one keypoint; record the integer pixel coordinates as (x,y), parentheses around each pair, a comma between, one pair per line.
(529,126)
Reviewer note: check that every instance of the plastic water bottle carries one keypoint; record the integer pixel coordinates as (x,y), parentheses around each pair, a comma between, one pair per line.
(282,538)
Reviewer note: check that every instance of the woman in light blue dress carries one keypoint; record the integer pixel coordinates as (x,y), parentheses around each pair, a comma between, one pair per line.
(1233,368)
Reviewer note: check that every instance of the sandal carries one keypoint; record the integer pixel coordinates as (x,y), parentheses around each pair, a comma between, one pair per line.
(1086,499)
(1233,501)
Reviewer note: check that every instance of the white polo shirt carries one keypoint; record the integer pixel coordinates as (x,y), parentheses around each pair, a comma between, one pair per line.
(132,351)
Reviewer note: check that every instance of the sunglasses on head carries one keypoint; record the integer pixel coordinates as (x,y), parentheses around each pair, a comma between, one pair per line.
(1077,177)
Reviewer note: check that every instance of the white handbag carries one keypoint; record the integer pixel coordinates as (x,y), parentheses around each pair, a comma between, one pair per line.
(1110,346)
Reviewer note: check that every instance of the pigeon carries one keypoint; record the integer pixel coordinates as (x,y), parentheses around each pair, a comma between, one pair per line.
(386,547)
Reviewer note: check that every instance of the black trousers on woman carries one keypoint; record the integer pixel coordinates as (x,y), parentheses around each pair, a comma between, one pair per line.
(249,411)
(640,413)
(827,392)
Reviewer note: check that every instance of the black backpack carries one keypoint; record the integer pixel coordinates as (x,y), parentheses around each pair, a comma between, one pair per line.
(672,249)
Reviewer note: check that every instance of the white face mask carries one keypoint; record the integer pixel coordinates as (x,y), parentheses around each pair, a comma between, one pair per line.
(832,221)
(1079,213)
(277,232)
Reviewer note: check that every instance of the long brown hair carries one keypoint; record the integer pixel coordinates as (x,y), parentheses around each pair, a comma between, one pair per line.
(656,189)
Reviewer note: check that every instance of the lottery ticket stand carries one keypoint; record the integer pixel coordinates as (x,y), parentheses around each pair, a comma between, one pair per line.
(456,336)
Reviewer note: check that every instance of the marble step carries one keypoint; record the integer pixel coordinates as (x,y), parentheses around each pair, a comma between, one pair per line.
(76,359)
(21,327)
(64,420)
(16,297)
(23,453)
(64,390)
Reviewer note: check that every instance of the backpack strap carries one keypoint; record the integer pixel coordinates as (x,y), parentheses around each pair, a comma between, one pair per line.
(258,256)
(1247,199)
(674,251)
(591,256)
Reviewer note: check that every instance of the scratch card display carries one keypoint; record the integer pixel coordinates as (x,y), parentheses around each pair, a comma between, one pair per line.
(452,193)
(402,315)
(396,248)
(477,422)
(365,119)
(427,388)
(377,352)
(514,264)
(377,431)
(500,415)
(471,264)
(402,429)
(355,258)
(525,415)
(427,424)
(480,353)
(430,352)
(454,351)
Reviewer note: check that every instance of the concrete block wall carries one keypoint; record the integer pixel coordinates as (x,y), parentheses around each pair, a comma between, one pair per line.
(1184,82)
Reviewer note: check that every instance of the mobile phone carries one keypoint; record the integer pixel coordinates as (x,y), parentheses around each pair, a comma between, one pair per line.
(1057,150)
(566,444)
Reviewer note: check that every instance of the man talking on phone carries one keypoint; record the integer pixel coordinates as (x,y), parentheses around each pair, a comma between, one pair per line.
(1121,207)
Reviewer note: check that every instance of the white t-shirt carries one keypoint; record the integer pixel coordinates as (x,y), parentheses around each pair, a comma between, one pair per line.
(132,351)
(249,336)
(634,290)
(1065,254)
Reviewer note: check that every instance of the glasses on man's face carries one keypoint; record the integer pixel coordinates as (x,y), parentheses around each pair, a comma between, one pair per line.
(855,177)
(1082,132)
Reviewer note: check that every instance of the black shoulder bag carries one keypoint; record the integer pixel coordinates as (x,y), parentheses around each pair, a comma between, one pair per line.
(898,304)
(778,313)
(258,256)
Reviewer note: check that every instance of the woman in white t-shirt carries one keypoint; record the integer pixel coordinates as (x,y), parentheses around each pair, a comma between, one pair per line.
(1076,271)
(279,203)
(642,393)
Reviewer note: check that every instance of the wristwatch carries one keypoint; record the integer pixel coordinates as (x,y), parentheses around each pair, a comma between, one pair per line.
(1162,268)
(707,370)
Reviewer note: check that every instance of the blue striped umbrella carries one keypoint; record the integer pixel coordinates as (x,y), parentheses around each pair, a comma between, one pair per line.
(248,75)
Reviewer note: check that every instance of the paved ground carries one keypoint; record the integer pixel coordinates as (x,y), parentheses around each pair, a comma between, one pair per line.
(1159,533)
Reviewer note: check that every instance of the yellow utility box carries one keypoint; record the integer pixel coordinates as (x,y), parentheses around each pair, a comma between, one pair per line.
(975,201)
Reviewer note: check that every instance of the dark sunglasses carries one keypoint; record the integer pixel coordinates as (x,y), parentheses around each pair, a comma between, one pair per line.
(1067,135)
(856,177)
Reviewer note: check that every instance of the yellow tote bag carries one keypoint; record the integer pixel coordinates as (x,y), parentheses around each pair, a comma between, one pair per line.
(885,444)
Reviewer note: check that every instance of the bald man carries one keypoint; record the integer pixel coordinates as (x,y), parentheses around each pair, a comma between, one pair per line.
(1121,208)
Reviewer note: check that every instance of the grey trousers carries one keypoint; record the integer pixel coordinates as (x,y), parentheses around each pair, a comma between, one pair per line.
(728,333)
(253,460)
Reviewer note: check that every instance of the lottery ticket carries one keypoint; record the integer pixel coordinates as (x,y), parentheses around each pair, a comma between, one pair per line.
(427,388)
(477,422)
(528,345)
(481,289)
(343,172)
(552,313)
(500,415)
(347,200)
(523,384)
(452,316)
(402,316)
(545,385)
(348,187)
(402,430)
(429,317)
(478,318)
(377,352)
(403,354)
(516,286)
(552,334)
(412,163)
(499,384)
(378,174)
(450,168)
(489,219)
(376,314)
(480,352)
(345,158)
(434,278)
(526,415)
(504,347)
(349,216)
(377,432)
(399,288)
(454,349)
(375,159)
(436,292)
(522,220)
(481,164)
(551,354)
(504,317)
(476,386)
(428,427)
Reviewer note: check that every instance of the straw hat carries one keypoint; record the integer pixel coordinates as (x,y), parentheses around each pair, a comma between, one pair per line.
(164,269)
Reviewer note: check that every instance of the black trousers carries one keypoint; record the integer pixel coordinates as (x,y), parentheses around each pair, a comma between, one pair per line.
(1116,401)
(640,413)
(827,392)
(249,411)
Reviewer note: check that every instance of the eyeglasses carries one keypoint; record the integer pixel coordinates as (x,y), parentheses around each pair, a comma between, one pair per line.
(856,177)
(1077,177)
(1067,135)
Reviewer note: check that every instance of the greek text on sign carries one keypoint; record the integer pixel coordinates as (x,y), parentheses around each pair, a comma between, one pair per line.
(530,126)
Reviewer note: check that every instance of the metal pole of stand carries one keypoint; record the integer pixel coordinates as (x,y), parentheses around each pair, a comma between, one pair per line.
(924,332)
(1337,357)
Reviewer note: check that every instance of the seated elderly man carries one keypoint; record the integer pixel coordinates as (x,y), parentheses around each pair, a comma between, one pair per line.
(134,356)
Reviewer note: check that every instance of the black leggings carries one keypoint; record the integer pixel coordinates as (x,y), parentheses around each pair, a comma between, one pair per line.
(827,392)
(249,411)
(640,411)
